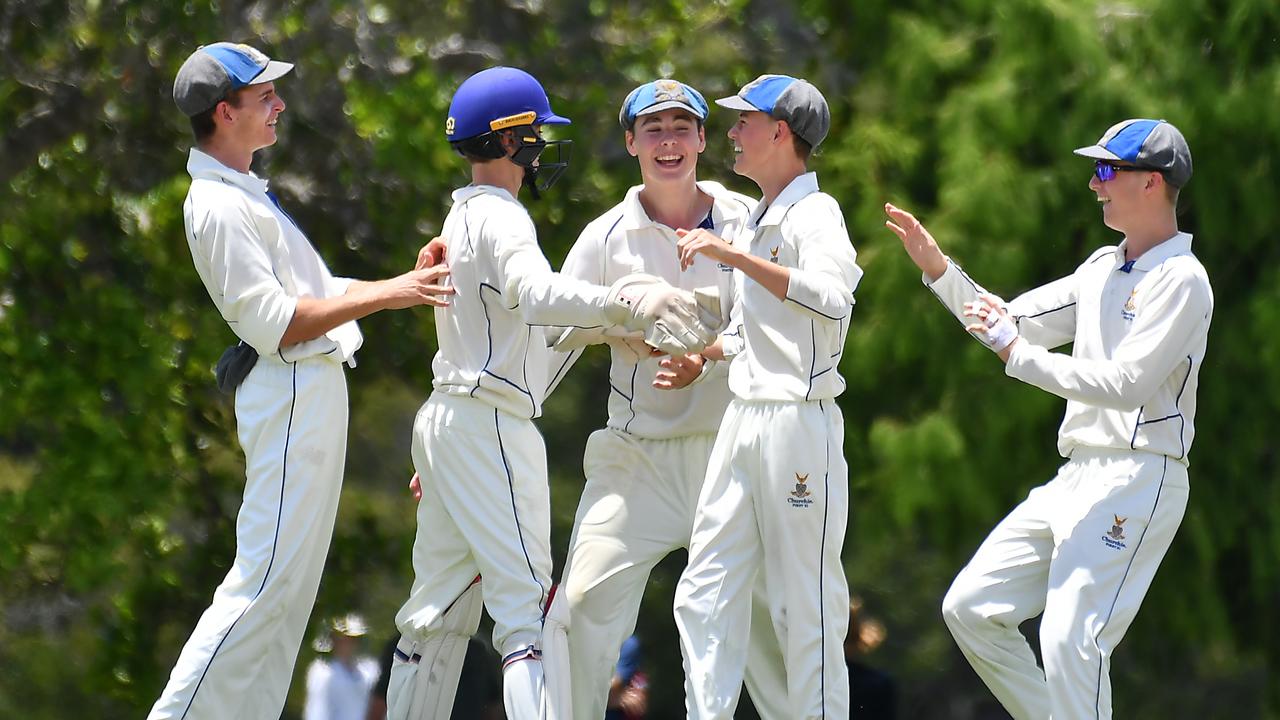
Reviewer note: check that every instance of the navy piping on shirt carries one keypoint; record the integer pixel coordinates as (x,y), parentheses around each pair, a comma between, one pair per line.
(1177,403)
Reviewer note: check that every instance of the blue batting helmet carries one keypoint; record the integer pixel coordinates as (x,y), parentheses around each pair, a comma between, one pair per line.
(498,98)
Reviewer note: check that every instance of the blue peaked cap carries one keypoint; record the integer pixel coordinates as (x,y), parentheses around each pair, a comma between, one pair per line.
(660,95)
(783,97)
(1149,144)
(214,70)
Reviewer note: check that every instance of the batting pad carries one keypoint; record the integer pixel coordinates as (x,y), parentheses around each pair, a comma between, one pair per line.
(424,674)
(555,658)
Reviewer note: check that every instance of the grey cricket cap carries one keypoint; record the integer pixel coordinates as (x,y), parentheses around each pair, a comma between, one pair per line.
(1148,144)
(786,98)
(214,70)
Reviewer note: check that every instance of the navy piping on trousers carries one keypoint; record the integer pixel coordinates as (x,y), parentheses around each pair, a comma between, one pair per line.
(284,471)
(515,512)
(1097,706)
(822,603)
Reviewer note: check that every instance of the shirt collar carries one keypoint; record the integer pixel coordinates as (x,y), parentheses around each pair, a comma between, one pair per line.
(467,192)
(634,216)
(796,190)
(1179,244)
(202,165)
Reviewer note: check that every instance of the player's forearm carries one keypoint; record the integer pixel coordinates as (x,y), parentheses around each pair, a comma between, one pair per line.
(314,317)
(771,276)
(547,298)
(714,351)
(1111,384)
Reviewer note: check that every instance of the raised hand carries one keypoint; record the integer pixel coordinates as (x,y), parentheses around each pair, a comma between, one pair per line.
(701,241)
(917,241)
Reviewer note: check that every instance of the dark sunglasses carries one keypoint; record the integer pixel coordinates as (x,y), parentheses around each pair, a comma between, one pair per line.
(1106,172)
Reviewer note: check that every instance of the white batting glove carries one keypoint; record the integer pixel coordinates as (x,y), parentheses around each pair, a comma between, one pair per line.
(669,317)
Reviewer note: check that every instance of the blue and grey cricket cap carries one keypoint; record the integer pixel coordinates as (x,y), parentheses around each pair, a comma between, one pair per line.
(785,98)
(660,95)
(1148,144)
(214,70)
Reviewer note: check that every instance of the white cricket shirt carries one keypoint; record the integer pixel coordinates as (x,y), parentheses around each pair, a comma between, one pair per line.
(256,262)
(790,349)
(493,344)
(1139,331)
(626,240)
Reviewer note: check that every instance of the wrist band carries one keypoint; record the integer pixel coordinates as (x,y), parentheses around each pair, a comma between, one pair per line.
(1002,334)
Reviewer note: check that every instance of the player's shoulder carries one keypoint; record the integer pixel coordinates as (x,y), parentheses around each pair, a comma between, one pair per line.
(605,224)
(212,203)
(730,202)
(213,195)
(496,202)
(318,670)
(816,212)
(1099,257)
(497,213)
(1185,269)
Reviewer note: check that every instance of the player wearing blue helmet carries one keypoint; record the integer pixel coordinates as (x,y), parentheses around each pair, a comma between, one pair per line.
(485,509)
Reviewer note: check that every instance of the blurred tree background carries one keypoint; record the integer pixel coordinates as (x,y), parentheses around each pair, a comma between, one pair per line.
(119,471)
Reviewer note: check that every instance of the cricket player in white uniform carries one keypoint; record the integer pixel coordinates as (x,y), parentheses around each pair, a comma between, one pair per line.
(1084,547)
(484,517)
(645,470)
(775,500)
(276,294)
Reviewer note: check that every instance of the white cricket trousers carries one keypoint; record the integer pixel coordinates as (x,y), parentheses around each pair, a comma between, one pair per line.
(1083,550)
(292,422)
(775,501)
(638,507)
(485,510)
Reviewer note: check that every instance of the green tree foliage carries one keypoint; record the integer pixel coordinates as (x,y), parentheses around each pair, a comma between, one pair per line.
(119,471)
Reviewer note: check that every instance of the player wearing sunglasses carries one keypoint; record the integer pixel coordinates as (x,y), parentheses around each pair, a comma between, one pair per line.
(1083,548)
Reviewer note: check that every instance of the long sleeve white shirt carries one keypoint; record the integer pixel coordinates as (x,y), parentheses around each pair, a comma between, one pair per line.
(493,333)
(1139,332)
(626,240)
(790,348)
(256,262)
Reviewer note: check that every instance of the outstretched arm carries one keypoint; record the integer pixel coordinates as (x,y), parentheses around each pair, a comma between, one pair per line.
(1044,315)
(313,317)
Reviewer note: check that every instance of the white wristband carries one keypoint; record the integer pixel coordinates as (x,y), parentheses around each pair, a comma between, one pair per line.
(1002,333)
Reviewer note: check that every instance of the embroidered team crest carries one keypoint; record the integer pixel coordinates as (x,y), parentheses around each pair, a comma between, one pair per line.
(800,496)
(773,254)
(802,490)
(1115,537)
(1130,310)
(666,90)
